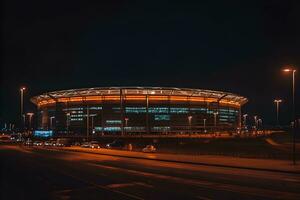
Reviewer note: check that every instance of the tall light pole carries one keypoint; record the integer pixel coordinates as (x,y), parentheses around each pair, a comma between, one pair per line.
(293,112)
(126,123)
(93,123)
(215,121)
(30,119)
(87,122)
(22,89)
(277,101)
(190,123)
(204,125)
(245,120)
(68,123)
(255,121)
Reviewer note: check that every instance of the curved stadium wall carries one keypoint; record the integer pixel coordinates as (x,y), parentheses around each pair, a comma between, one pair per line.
(129,110)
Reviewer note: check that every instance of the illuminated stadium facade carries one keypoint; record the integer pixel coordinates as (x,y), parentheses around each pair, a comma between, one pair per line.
(129,110)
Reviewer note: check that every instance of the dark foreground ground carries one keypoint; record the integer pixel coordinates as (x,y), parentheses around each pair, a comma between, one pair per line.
(38,173)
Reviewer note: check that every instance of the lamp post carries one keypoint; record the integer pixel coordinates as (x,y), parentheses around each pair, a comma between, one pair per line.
(293,71)
(255,121)
(190,123)
(30,119)
(126,123)
(22,89)
(277,101)
(68,122)
(245,120)
(24,120)
(215,121)
(204,125)
(93,123)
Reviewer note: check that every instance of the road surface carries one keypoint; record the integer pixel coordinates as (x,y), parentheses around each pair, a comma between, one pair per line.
(39,173)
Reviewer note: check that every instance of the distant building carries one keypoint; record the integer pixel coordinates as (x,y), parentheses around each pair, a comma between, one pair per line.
(144,110)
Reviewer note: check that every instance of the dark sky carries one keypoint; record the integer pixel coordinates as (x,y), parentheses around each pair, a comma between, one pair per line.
(234,46)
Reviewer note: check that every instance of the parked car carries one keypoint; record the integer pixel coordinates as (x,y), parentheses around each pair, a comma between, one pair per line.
(77,144)
(149,149)
(37,143)
(117,144)
(94,145)
(48,143)
(85,145)
(28,142)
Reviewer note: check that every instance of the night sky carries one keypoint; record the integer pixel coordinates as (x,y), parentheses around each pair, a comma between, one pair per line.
(234,46)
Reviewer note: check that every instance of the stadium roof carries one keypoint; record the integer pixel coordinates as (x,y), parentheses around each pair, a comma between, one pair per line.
(155,91)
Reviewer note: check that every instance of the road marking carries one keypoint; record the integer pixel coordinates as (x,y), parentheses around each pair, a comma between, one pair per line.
(210,185)
(121,185)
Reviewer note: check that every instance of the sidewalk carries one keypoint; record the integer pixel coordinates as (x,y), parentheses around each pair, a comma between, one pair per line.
(208,160)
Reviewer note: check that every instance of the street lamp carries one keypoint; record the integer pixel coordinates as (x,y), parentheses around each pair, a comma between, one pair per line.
(30,119)
(277,101)
(293,71)
(87,122)
(215,120)
(126,122)
(204,125)
(190,123)
(93,127)
(93,123)
(68,122)
(22,89)
(245,120)
(255,121)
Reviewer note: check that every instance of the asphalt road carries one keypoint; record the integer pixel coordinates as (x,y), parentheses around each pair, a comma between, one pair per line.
(39,173)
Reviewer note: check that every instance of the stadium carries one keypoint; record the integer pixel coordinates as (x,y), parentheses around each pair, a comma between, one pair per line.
(138,110)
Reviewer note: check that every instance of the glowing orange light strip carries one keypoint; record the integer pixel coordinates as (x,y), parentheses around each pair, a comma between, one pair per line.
(134,98)
(141,98)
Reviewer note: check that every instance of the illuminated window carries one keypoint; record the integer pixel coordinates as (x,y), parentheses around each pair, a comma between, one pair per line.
(113,121)
(79,111)
(135,110)
(158,110)
(98,128)
(134,128)
(112,128)
(201,110)
(76,119)
(96,108)
(79,115)
(161,117)
(161,128)
(179,110)
(70,109)
(222,110)
(43,133)
(224,120)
